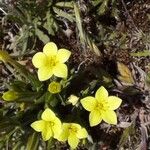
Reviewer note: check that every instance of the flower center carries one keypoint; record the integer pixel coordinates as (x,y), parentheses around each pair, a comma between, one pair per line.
(52,61)
(72,129)
(51,123)
(101,106)
(54,87)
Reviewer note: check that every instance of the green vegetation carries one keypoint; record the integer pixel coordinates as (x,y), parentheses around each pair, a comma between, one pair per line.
(58,62)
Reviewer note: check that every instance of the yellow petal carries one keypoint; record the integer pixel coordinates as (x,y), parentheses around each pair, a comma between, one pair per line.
(48,115)
(65,132)
(57,128)
(88,103)
(38,125)
(50,49)
(114,102)
(63,55)
(73,141)
(101,94)
(47,132)
(75,125)
(110,117)
(82,133)
(60,70)
(73,99)
(44,73)
(95,118)
(39,60)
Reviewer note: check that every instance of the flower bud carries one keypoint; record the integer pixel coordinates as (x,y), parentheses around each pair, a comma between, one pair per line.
(10,96)
(54,87)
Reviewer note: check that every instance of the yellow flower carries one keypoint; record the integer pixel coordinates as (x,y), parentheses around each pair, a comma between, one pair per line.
(101,107)
(72,132)
(10,95)
(54,87)
(73,99)
(49,125)
(51,62)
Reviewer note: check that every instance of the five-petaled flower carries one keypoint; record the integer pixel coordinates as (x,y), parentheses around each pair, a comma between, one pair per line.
(101,107)
(49,125)
(72,132)
(51,62)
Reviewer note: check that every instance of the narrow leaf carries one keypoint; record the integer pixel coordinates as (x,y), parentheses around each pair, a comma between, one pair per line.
(63,14)
(33,141)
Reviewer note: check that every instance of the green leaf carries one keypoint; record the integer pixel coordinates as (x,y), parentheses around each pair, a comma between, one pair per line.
(103,7)
(6,125)
(141,54)
(33,142)
(79,23)
(115,13)
(148,79)
(96,50)
(36,84)
(51,99)
(50,25)
(43,37)
(17,145)
(63,14)
(96,2)
(126,133)
(28,96)
(64,4)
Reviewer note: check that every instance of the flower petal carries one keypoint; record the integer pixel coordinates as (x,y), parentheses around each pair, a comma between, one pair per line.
(75,125)
(44,73)
(95,118)
(82,133)
(63,55)
(50,49)
(88,103)
(114,102)
(57,128)
(48,115)
(38,125)
(47,132)
(110,117)
(73,99)
(65,132)
(73,141)
(101,94)
(39,60)
(60,70)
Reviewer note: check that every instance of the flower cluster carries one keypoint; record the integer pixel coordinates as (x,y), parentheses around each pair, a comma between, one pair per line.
(52,62)
(101,107)
(51,126)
